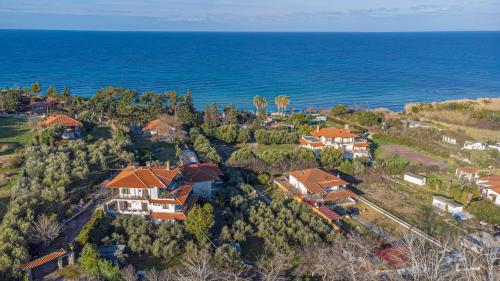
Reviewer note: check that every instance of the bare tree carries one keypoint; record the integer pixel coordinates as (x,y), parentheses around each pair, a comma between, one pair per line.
(45,230)
(489,261)
(275,267)
(157,275)
(197,267)
(128,273)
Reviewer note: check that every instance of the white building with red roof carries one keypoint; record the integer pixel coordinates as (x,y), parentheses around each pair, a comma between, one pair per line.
(72,127)
(321,186)
(159,129)
(154,192)
(350,143)
(490,186)
(204,177)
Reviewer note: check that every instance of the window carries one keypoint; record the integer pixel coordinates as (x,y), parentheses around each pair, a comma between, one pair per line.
(125,190)
(165,206)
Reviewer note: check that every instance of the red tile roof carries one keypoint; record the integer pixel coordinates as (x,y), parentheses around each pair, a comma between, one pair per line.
(337,195)
(179,196)
(201,172)
(156,125)
(168,216)
(63,120)
(144,177)
(493,182)
(361,144)
(45,259)
(175,216)
(333,132)
(328,213)
(316,180)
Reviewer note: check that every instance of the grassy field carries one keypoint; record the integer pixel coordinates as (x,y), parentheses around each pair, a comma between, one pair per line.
(14,134)
(160,151)
(413,206)
(14,131)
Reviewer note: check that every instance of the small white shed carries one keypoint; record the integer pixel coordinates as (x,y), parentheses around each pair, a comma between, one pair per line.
(415,178)
(447,205)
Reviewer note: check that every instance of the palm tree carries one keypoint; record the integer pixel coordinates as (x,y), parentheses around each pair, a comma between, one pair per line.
(279,102)
(256,103)
(263,103)
(285,102)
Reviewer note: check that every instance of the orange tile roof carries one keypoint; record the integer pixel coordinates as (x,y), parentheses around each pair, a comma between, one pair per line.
(313,144)
(45,259)
(179,197)
(316,180)
(175,216)
(151,125)
(361,144)
(168,216)
(201,172)
(333,132)
(337,195)
(144,177)
(63,120)
(468,169)
(156,124)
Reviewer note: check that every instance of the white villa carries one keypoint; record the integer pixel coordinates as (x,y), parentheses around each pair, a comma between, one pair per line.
(160,193)
(490,186)
(351,144)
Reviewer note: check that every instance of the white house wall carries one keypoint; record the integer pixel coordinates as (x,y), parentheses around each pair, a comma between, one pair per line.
(297,184)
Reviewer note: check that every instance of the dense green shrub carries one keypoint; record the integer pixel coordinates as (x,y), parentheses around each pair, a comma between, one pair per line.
(331,157)
(85,233)
(281,136)
(94,265)
(485,211)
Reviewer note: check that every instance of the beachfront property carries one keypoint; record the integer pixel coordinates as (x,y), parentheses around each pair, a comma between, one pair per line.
(450,140)
(72,127)
(321,186)
(490,188)
(470,145)
(204,177)
(415,178)
(469,174)
(353,145)
(446,205)
(160,130)
(154,192)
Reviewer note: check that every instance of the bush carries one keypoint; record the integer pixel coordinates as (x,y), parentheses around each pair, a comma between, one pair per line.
(331,157)
(281,136)
(485,211)
(84,236)
(396,165)
(368,118)
(94,265)
(339,110)
(227,133)
(263,178)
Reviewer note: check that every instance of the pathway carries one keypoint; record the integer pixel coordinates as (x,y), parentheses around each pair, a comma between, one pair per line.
(375,228)
(401,222)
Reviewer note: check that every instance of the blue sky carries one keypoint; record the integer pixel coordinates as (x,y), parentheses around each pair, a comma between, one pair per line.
(257,15)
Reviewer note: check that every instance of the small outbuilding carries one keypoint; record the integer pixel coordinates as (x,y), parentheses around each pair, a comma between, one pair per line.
(467,173)
(415,178)
(446,205)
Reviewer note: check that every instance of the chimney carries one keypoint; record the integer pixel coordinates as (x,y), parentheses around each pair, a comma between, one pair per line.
(346,126)
(168,165)
(317,128)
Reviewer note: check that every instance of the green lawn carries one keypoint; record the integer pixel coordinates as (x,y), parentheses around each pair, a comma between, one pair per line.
(14,131)
(157,150)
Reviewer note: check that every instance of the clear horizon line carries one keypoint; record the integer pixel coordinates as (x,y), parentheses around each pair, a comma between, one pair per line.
(241,31)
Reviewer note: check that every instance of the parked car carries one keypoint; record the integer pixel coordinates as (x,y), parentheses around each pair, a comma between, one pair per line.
(352,211)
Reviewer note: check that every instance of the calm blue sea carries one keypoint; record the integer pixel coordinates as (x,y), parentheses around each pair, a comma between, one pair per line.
(315,69)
